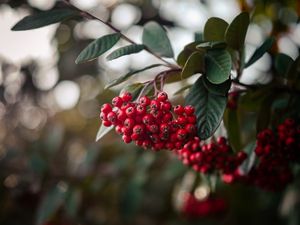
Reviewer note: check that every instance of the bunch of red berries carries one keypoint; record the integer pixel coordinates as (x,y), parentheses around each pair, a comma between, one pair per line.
(194,208)
(276,151)
(151,123)
(207,158)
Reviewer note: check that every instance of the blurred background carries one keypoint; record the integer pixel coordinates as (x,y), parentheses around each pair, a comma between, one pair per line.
(51,169)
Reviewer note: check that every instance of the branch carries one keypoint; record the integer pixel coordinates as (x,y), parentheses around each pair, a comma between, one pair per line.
(90,17)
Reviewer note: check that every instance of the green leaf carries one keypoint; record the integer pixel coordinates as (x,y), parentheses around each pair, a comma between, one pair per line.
(128,75)
(236,32)
(194,64)
(50,204)
(209,108)
(103,130)
(98,47)
(126,50)
(45,18)
(73,199)
(217,89)
(212,45)
(134,89)
(264,113)
(294,70)
(250,160)
(214,29)
(182,89)
(156,39)
(232,125)
(259,52)
(188,50)
(282,64)
(218,66)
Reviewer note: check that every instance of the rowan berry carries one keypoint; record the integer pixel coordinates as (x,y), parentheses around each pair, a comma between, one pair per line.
(162,96)
(117,101)
(145,101)
(106,108)
(126,97)
(179,109)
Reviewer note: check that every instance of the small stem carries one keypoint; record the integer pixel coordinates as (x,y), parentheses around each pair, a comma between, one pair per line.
(90,16)
(143,90)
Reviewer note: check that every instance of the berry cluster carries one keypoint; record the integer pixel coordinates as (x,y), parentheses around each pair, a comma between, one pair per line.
(207,158)
(194,208)
(276,151)
(151,123)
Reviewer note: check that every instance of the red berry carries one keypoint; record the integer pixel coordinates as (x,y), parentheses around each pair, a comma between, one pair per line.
(156,114)
(167,117)
(155,105)
(164,128)
(121,115)
(129,123)
(118,129)
(117,101)
(135,136)
(192,119)
(106,108)
(181,134)
(162,96)
(126,97)
(140,110)
(166,106)
(138,129)
(179,109)
(153,128)
(103,116)
(126,138)
(144,101)
(148,119)
(130,112)
(107,123)
(112,117)
(189,110)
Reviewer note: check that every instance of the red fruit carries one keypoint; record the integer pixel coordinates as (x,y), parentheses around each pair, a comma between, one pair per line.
(135,136)
(130,112)
(118,129)
(181,120)
(126,131)
(146,144)
(162,96)
(117,101)
(155,105)
(126,96)
(112,117)
(126,138)
(167,117)
(179,109)
(140,110)
(129,123)
(181,134)
(165,128)
(156,114)
(106,108)
(192,119)
(107,123)
(221,140)
(154,138)
(148,119)
(166,106)
(190,128)
(121,115)
(153,128)
(144,101)
(138,129)
(189,110)
(103,116)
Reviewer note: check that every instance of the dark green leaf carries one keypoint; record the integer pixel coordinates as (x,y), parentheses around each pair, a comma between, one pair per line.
(237,30)
(134,89)
(187,52)
(156,39)
(259,52)
(282,64)
(217,89)
(73,199)
(194,64)
(173,76)
(128,75)
(214,29)
(294,70)
(264,113)
(218,66)
(44,18)
(209,108)
(232,125)
(50,203)
(182,89)
(98,47)
(103,130)
(126,50)
(212,45)
(250,160)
